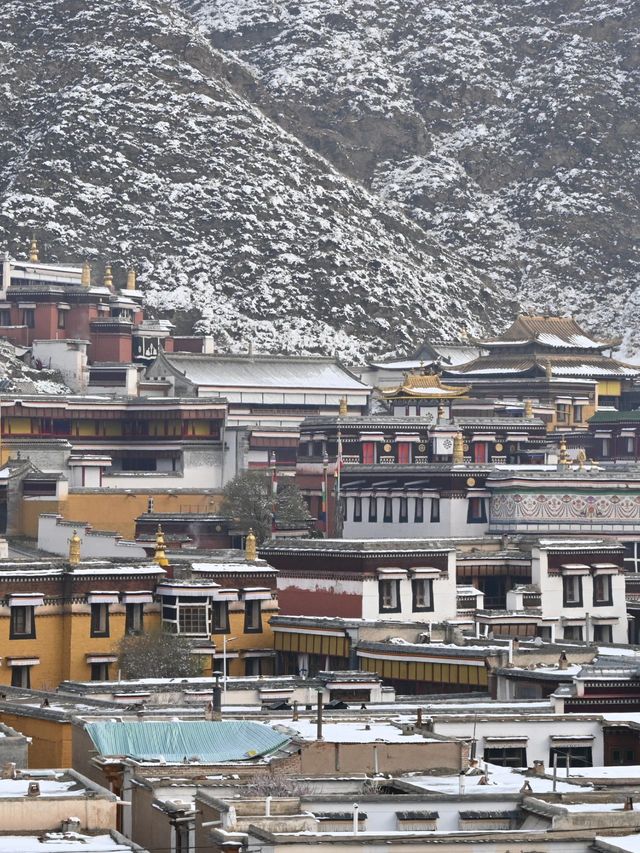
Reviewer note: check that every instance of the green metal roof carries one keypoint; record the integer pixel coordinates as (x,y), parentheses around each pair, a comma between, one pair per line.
(184,740)
(633,416)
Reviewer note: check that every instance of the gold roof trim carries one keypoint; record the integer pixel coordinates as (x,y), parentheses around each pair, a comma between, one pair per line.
(425,385)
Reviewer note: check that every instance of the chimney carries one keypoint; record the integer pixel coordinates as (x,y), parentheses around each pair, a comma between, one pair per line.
(71,824)
(419,718)
(526,788)
(628,804)
(538,768)
(319,718)
(33,790)
(563,663)
(131,279)
(8,770)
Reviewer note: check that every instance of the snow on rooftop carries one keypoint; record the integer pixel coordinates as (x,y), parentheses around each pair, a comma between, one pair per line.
(502,780)
(619,844)
(58,842)
(350,732)
(48,787)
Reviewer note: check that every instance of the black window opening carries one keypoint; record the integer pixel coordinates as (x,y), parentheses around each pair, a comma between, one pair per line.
(99,620)
(506,756)
(602,591)
(578,756)
(572,590)
(573,632)
(5,316)
(29,317)
(435,509)
(624,756)
(220,617)
(418,510)
(23,623)
(476,511)
(357,509)
(403,515)
(373,509)
(134,618)
(422,592)
(62,319)
(21,675)
(388,511)
(389,595)
(603,633)
(100,671)
(252,617)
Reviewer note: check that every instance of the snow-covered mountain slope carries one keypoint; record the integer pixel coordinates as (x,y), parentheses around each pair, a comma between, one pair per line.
(507,130)
(125,136)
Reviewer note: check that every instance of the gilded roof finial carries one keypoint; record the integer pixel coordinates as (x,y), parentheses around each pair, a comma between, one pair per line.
(548,372)
(458,449)
(74,549)
(441,412)
(85,279)
(582,458)
(34,254)
(131,280)
(343,406)
(563,457)
(160,557)
(528,409)
(250,551)
(108,277)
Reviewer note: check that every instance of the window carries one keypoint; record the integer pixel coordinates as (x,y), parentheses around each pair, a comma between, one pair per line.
(5,316)
(23,624)
(373,509)
(422,589)
(389,592)
(388,511)
(192,619)
(572,590)
(606,447)
(578,414)
(28,317)
(418,510)
(579,756)
(627,756)
(252,666)
(404,452)
(479,451)
(562,413)
(357,509)
(99,672)
(476,513)
(403,517)
(602,594)
(573,632)
(99,620)
(631,556)
(20,676)
(602,634)
(134,618)
(182,834)
(62,319)
(435,509)
(252,617)
(220,617)
(506,756)
(368,453)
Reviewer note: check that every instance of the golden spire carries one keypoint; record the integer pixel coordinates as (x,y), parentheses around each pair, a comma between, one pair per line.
(108,277)
(548,372)
(458,449)
(160,557)
(85,280)
(74,549)
(131,279)
(563,456)
(250,551)
(343,406)
(441,412)
(34,254)
(528,409)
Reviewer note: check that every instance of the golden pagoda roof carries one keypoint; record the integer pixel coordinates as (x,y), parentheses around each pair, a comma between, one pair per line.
(424,385)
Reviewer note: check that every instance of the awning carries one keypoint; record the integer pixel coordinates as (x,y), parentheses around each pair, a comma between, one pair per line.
(101,658)
(23,661)
(425,571)
(103,597)
(26,599)
(137,597)
(256,594)
(391,573)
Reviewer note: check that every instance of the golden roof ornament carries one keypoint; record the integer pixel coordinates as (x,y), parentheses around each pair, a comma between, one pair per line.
(160,556)
(458,449)
(108,277)
(250,550)
(131,279)
(34,254)
(85,279)
(582,458)
(528,409)
(74,549)
(441,412)
(563,458)
(548,372)
(343,406)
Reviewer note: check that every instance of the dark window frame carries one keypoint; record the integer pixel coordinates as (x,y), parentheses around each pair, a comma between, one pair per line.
(250,626)
(478,516)
(29,318)
(517,756)
(220,617)
(584,754)
(129,620)
(62,318)
(29,632)
(603,602)
(98,670)
(565,585)
(96,630)
(387,515)
(601,628)
(414,595)
(18,671)
(395,608)
(435,510)
(357,509)
(403,511)
(373,509)
(418,511)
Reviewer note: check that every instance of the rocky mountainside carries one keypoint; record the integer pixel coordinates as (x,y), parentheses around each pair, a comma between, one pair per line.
(124,135)
(508,131)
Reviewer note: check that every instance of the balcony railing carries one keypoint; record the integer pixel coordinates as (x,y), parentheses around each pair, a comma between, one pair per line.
(350,460)
(421,460)
(387,459)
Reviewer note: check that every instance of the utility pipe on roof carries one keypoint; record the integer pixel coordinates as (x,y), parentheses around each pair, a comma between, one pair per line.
(319,717)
